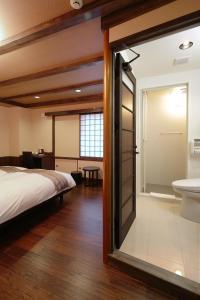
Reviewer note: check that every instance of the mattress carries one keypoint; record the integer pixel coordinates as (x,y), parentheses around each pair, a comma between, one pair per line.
(20,191)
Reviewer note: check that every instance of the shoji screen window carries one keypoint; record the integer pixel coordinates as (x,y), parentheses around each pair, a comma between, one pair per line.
(91,135)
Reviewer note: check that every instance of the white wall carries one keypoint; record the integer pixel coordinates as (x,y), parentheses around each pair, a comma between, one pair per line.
(192,79)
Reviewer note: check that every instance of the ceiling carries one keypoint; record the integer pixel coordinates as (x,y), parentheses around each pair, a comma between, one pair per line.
(49,49)
(69,46)
(19,15)
(157,57)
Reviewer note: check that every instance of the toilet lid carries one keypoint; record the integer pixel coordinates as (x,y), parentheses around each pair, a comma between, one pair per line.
(192,185)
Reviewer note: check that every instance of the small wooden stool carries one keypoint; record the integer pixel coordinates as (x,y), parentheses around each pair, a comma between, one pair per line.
(93,176)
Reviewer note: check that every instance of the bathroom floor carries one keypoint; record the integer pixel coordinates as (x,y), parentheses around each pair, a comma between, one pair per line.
(159,235)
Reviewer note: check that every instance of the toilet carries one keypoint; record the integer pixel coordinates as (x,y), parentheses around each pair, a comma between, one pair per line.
(190,191)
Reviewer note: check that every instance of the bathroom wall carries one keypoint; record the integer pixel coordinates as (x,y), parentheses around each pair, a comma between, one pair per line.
(192,79)
(165,136)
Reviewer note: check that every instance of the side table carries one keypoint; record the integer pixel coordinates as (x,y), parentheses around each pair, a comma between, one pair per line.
(93,175)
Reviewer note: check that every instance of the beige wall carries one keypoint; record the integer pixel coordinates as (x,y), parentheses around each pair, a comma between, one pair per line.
(4,131)
(41,126)
(67,136)
(191,78)
(161,15)
(69,165)
(165,143)
(29,129)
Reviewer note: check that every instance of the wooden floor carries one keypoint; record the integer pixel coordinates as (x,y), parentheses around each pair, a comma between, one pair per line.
(56,253)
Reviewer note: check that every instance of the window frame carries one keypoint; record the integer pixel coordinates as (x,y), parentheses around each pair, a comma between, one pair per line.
(92,158)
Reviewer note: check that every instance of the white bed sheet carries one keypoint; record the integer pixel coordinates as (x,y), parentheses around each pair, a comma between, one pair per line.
(21,191)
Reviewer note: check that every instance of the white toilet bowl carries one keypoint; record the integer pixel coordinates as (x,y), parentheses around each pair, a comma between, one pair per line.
(190,191)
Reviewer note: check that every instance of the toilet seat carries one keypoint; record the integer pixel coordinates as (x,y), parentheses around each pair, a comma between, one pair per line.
(190,185)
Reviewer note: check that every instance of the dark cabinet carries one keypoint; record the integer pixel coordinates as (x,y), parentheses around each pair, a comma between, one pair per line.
(44,162)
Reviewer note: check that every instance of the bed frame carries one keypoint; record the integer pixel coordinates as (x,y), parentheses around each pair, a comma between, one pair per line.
(59,195)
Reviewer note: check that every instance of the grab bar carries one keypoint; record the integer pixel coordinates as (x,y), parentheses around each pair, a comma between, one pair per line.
(165,133)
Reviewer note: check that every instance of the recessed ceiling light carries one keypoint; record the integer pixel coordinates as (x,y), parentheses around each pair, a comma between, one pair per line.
(178,272)
(185,45)
(37,97)
(78,91)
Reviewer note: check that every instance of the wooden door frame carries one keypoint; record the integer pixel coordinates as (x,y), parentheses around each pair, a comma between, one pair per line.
(179,24)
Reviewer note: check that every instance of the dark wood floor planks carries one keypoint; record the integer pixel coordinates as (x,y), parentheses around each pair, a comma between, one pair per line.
(55,252)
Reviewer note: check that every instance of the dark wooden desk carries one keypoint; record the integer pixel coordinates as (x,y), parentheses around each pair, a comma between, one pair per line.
(43,161)
(93,176)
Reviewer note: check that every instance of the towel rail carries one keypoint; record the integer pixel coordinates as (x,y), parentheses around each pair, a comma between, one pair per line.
(166,133)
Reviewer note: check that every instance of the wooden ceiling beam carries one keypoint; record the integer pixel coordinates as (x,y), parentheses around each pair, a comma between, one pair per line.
(68,101)
(89,11)
(57,90)
(13,103)
(74,112)
(74,66)
(131,11)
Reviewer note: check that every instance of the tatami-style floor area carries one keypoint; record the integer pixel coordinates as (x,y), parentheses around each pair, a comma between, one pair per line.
(159,235)
(55,253)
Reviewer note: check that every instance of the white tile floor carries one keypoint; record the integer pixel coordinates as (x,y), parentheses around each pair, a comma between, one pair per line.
(159,235)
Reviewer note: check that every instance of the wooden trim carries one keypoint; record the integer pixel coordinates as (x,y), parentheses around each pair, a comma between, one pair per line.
(11,102)
(74,100)
(73,112)
(56,90)
(79,119)
(76,65)
(53,135)
(107,166)
(80,158)
(164,280)
(130,12)
(164,29)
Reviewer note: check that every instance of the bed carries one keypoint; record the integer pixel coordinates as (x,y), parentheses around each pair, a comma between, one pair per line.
(22,189)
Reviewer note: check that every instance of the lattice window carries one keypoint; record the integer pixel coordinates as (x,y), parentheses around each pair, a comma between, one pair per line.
(91,135)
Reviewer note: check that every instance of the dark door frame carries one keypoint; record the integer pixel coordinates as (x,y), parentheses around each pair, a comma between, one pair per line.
(177,286)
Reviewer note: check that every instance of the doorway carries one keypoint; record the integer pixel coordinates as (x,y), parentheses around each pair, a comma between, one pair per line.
(166,121)
(164,138)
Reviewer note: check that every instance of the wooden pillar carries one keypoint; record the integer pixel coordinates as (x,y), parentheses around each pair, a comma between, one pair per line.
(107,187)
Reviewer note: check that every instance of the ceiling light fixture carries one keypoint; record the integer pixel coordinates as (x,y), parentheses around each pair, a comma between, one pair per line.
(76,4)
(185,45)
(37,97)
(78,91)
